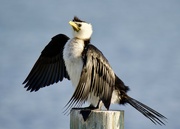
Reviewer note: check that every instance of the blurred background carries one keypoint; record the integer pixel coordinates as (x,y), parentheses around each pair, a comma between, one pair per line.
(140,38)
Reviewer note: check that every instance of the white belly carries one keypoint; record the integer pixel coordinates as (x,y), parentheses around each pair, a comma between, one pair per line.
(93,100)
(74,68)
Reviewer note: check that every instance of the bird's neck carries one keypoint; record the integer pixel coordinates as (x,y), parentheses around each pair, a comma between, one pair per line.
(86,41)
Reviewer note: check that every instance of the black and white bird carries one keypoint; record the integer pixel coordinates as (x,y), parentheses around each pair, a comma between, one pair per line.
(76,59)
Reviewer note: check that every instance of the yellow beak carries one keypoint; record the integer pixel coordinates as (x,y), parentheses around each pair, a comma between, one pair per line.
(74,26)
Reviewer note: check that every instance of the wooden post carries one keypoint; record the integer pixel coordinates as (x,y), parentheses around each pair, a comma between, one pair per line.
(96,119)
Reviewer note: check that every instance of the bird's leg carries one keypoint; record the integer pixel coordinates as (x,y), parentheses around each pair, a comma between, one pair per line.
(90,107)
(86,111)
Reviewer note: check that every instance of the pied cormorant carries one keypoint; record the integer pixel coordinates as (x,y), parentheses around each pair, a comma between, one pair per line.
(81,62)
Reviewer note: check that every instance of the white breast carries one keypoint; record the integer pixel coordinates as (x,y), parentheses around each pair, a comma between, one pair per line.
(72,56)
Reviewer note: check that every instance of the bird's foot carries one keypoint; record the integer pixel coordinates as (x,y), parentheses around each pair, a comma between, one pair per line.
(90,107)
(86,111)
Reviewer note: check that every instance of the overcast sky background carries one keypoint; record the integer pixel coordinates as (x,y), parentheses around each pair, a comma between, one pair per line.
(140,38)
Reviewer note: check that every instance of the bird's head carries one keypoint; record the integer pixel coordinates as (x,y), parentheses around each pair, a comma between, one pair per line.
(81,29)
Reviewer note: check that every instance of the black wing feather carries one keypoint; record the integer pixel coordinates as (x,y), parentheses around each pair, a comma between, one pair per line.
(50,67)
(93,79)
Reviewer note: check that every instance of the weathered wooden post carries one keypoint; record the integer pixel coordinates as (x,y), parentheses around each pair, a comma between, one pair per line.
(96,119)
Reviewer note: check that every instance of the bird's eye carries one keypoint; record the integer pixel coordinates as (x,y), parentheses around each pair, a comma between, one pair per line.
(79,25)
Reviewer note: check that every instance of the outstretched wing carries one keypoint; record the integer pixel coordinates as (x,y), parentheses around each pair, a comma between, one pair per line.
(50,67)
(97,79)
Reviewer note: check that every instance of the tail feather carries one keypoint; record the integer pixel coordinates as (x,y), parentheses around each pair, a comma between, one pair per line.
(148,112)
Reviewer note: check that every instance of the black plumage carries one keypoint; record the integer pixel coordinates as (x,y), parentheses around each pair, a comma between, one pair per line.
(97,78)
(50,67)
(76,19)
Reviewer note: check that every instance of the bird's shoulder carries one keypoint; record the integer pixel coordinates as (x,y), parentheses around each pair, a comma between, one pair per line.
(55,46)
(92,51)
